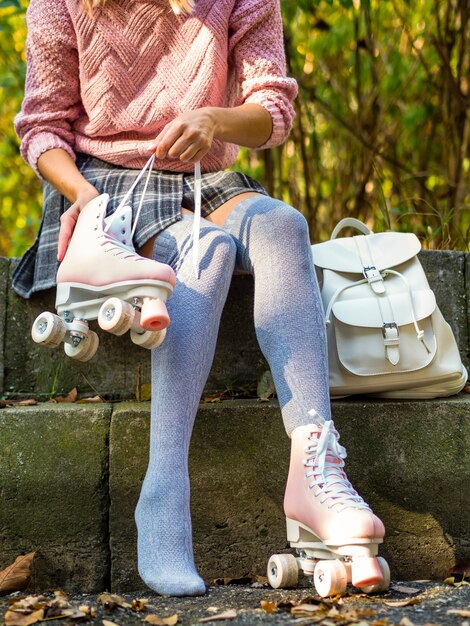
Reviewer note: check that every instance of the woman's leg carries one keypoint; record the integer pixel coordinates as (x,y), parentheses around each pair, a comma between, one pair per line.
(180,367)
(273,244)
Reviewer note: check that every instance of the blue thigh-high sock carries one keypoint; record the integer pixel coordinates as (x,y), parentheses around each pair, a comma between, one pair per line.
(180,367)
(273,245)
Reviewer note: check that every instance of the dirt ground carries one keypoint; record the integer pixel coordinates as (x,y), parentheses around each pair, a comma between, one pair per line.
(410,603)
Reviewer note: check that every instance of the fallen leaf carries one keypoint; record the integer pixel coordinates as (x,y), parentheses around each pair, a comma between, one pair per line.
(304,610)
(17,618)
(262,580)
(404,589)
(451,581)
(87,610)
(10,403)
(406,622)
(400,603)
(230,614)
(70,397)
(90,400)
(162,621)
(459,612)
(266,388)
(27,602)
(268,607)
(139,604)
(108,623)
(111,600)
(16,576)
(466,389)
(216,397)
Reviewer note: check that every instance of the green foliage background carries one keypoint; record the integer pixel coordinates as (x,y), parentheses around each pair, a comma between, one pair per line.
(382,130)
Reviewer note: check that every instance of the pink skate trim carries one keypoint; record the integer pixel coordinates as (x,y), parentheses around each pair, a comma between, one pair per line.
(366,571)
(154,315)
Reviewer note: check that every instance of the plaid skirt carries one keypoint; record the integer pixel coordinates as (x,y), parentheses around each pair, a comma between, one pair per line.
(166,194)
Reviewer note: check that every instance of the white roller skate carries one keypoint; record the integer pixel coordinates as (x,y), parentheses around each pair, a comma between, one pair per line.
(102,277)
(334,532)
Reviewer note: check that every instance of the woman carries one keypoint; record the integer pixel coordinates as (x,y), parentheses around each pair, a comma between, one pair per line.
(110,81)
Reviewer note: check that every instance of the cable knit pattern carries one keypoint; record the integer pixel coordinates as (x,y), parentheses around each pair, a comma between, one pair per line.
(107,86)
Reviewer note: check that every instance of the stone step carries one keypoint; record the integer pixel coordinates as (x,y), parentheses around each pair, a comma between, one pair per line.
(120,366)
(70,476)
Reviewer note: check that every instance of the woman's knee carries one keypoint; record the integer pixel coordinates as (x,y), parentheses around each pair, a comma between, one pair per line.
(277,220)
(217,245)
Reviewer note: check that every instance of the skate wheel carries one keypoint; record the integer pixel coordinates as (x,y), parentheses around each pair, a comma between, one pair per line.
(48,329)
(283,571)
(154,315)
(385,583)
(148,339)
(85,350)
(366,571)
(330,578)
(116,316)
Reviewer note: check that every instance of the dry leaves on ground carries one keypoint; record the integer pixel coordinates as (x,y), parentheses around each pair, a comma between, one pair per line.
(325,612)
(269,607)
(72,396)
(12,403)
(398,604)
(220,617)
(111,600)
(32,609)
(459,612)
(16,576)
(456,582)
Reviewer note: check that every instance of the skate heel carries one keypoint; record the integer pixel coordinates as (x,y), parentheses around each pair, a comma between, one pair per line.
(154,315)
(299,533)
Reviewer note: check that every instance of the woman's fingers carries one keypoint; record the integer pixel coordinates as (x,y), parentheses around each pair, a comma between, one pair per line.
(69,218)
(186,136)
(67,225)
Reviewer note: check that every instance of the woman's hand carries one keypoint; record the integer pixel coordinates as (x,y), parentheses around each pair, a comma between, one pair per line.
(188,137)
(69,218)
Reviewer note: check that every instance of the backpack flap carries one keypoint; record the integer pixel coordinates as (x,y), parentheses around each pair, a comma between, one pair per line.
(353,254)
(388,334)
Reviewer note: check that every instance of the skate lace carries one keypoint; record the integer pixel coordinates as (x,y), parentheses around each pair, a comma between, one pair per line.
(326,458)
(119,248)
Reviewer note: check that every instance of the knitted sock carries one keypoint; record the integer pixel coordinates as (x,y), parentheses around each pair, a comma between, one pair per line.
(180,367)
(273,244)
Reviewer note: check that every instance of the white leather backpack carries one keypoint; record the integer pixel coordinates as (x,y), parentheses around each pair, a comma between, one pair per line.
(386,334)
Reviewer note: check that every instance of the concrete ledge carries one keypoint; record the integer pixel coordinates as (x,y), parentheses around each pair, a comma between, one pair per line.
(118,365)
(408,459)
(54,493)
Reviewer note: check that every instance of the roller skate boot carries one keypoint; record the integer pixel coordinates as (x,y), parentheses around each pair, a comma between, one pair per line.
(334,532)
(102,277)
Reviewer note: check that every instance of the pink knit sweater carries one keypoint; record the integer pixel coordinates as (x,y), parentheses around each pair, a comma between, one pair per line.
(107,86)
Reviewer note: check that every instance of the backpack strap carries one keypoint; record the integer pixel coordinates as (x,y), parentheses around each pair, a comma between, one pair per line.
(351,222)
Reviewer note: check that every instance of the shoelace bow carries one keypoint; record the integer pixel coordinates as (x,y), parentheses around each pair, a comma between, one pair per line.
(326,460)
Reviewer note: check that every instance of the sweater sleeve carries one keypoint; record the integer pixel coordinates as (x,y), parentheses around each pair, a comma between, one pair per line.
(52,92)
(256,49)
